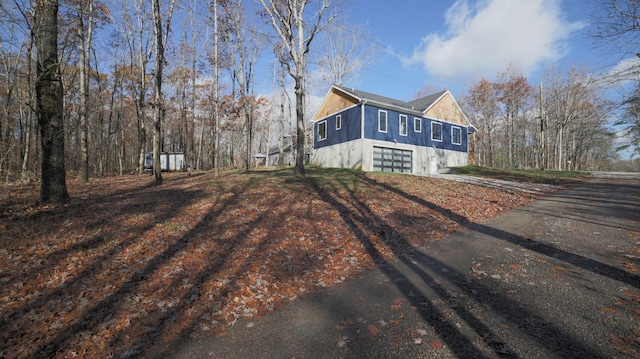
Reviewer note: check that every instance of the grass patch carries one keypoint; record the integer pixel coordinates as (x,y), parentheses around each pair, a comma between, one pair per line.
(530,176)
(320,174)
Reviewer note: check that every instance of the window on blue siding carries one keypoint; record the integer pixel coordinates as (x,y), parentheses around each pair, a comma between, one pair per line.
(417,124)
(338,122)
(436,131)
(403,125)
(322,131)
(456,135)
(382,121)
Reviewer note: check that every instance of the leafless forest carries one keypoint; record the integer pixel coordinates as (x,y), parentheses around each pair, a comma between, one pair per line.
(181,76)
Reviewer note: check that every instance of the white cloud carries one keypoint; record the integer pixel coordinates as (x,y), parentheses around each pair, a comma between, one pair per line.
(482,38)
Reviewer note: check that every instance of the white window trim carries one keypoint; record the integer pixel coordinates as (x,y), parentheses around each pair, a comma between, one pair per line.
(406,125)
(415,121)
(441,134)
(386,121)
(338,122)
(325,130)
(452,137)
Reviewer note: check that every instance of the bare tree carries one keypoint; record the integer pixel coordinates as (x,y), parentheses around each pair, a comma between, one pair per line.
(29,114)
(509,128)
(243,43)
(616,26)
(481,105)
(216,91)
(195,33)
(617,30)
(9,64)
(84,11)
(53,186)
(135,28)
(514,95)
(184,72)
(161,35)
(575,117)
(349,50)
(425,91)
(281,117)
(17,115)
(630,122)
(297,22)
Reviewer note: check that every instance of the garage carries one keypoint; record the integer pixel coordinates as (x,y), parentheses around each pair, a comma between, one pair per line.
(392,160)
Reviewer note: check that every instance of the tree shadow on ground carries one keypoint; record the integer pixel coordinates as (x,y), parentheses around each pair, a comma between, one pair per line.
(95,253)
(365,224)
(135,273)
(542,248)
(137,276)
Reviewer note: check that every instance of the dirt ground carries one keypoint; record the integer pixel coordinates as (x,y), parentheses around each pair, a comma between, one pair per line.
(558,278)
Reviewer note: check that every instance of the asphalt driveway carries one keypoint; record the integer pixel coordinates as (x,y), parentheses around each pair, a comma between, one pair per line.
(559,278)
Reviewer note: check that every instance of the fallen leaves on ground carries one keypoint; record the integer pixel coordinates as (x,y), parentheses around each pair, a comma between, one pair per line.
(126,264)
(627,304)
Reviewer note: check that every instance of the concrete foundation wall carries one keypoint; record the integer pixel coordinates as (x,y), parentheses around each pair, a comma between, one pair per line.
(358,154)
(342,155)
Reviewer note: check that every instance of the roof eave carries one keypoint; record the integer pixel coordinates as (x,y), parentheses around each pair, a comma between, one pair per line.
(394,107)
(351,94)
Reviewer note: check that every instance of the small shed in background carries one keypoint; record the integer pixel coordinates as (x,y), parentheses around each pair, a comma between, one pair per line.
(169,161)
(260,159)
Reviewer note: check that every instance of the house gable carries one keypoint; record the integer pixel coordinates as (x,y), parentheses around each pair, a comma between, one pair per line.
(334,102)
(447,109)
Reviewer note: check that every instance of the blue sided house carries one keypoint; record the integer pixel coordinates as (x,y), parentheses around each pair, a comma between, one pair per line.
(356,129)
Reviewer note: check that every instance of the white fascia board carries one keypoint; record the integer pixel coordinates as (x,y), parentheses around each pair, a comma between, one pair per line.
(335,113)
(392,107)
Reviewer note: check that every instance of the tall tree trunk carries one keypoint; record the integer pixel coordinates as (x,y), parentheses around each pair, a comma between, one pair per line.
(5,129)
(248,136)
(29,124)
(159,103)
(490,142)
(560,139)
(84,37)
(110,126)
(199,154)
(142,117)
(510,135)
(192,139)
(216,95)
(161,43)
(299,169)
(49,92)
(281,121)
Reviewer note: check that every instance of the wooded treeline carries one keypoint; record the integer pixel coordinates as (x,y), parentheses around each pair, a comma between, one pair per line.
(184,72)
(133,69)
(562,123)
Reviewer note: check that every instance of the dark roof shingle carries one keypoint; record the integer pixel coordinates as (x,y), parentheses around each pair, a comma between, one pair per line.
(416,106)
(423,103)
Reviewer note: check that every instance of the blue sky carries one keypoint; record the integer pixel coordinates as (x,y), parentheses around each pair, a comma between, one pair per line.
(449,44)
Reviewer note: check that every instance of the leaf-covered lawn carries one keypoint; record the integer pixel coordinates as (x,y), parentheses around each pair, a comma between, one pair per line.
(126,265)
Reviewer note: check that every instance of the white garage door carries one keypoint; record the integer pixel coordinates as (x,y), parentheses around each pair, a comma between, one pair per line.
(391,160)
